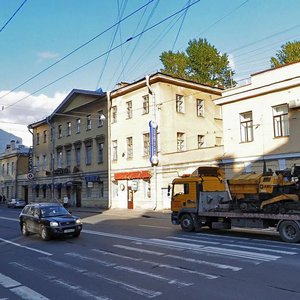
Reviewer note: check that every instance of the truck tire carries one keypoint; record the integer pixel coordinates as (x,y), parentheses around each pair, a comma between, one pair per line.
(187,223)
(289,231)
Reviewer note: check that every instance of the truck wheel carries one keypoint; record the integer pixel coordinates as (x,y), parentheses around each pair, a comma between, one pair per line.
(187,223)
(289,231)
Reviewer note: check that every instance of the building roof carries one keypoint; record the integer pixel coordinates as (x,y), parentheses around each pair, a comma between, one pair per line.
(160,77)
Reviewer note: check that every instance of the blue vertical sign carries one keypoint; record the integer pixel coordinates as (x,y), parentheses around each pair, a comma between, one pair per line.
(153,143)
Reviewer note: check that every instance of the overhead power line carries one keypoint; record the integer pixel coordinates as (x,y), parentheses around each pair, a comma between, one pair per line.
(6,23)
(75,50)
(105,53)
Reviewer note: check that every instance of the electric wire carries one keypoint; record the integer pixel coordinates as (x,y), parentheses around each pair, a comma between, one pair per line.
(9,20)
(180,27)
(120,14)
(138,40)
(75,50)
(103,54)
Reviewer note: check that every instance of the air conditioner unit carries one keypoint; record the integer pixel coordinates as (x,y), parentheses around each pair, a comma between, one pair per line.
(294,103)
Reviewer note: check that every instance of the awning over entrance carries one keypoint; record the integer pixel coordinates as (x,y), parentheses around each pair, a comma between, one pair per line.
(132,175)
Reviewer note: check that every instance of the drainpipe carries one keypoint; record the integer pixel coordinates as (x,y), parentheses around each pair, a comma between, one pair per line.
(52,157)
(154,163)
(109,148)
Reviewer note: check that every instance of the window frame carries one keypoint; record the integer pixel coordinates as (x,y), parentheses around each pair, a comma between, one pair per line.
(284,129)
(246,127)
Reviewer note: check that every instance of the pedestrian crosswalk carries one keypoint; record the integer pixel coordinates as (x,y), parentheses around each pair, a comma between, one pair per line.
(141,267)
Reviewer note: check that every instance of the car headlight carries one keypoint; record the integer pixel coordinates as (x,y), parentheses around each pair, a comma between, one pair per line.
(53,224)
(78,221)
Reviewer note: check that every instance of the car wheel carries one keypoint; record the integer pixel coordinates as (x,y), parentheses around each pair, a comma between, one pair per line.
(76,234)
(25,232)
(44,234)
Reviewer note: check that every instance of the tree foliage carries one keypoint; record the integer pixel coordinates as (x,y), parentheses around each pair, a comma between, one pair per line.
(289,53)
(201,62)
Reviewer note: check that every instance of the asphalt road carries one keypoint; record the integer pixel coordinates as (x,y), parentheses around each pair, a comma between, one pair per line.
(143,256)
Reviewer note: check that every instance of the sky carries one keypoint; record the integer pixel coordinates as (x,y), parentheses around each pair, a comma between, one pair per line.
(48,48)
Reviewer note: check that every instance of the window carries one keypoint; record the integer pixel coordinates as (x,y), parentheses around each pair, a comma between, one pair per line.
(59,158)
(129,109)
(88,153)
(44,162)
(218,141)
(69,126)
(59,131)
(115,150)
(77,125)
(146,143)
(200,108)
(180,142)
(101,189)
(281,120)
(114,114)
(100,152)
(51,134)
(37,138)
(68,158)
(200,141)
(101,118)
(12,168)
(145,104)
(88,122)
(45,136)
(180,189)
(179,104)
(282,164)
(37,164)
(129,147)
(77,155)
(246,127)
(3,170)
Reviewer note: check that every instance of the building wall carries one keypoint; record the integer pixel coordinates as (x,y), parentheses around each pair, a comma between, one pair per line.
(151,193)
(85,184)
(267,90)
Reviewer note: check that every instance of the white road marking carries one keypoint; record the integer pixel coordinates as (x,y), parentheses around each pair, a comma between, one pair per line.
(79,290)
(193,240)
(87,258)
(17,288)
(129,287)
(179,284)
(261,249)
(216,265)
(63,264)
(76,289)
(9,219)
(25,247)
(27,294)
(140,250)
(184,270)
(203,262)
(215,250)
(153,226)
(8,282)
(116,255)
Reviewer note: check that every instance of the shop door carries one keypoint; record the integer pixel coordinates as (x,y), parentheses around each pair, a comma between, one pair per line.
(130,198)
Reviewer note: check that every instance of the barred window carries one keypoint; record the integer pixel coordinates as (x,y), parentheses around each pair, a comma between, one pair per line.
(179,104)
(180,141)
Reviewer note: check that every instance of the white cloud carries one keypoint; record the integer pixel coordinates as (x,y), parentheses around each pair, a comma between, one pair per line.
(46,55)
(231,61)
(16,116)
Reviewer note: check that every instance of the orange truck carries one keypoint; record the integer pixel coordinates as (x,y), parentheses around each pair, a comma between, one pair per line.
(262,200)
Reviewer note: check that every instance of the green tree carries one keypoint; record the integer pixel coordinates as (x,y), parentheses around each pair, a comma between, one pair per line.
(289,53)
(201,62)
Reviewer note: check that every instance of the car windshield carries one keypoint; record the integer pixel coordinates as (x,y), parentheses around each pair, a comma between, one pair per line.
(53,211)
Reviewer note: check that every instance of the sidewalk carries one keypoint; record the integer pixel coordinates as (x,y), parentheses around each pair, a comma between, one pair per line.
(122,212)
